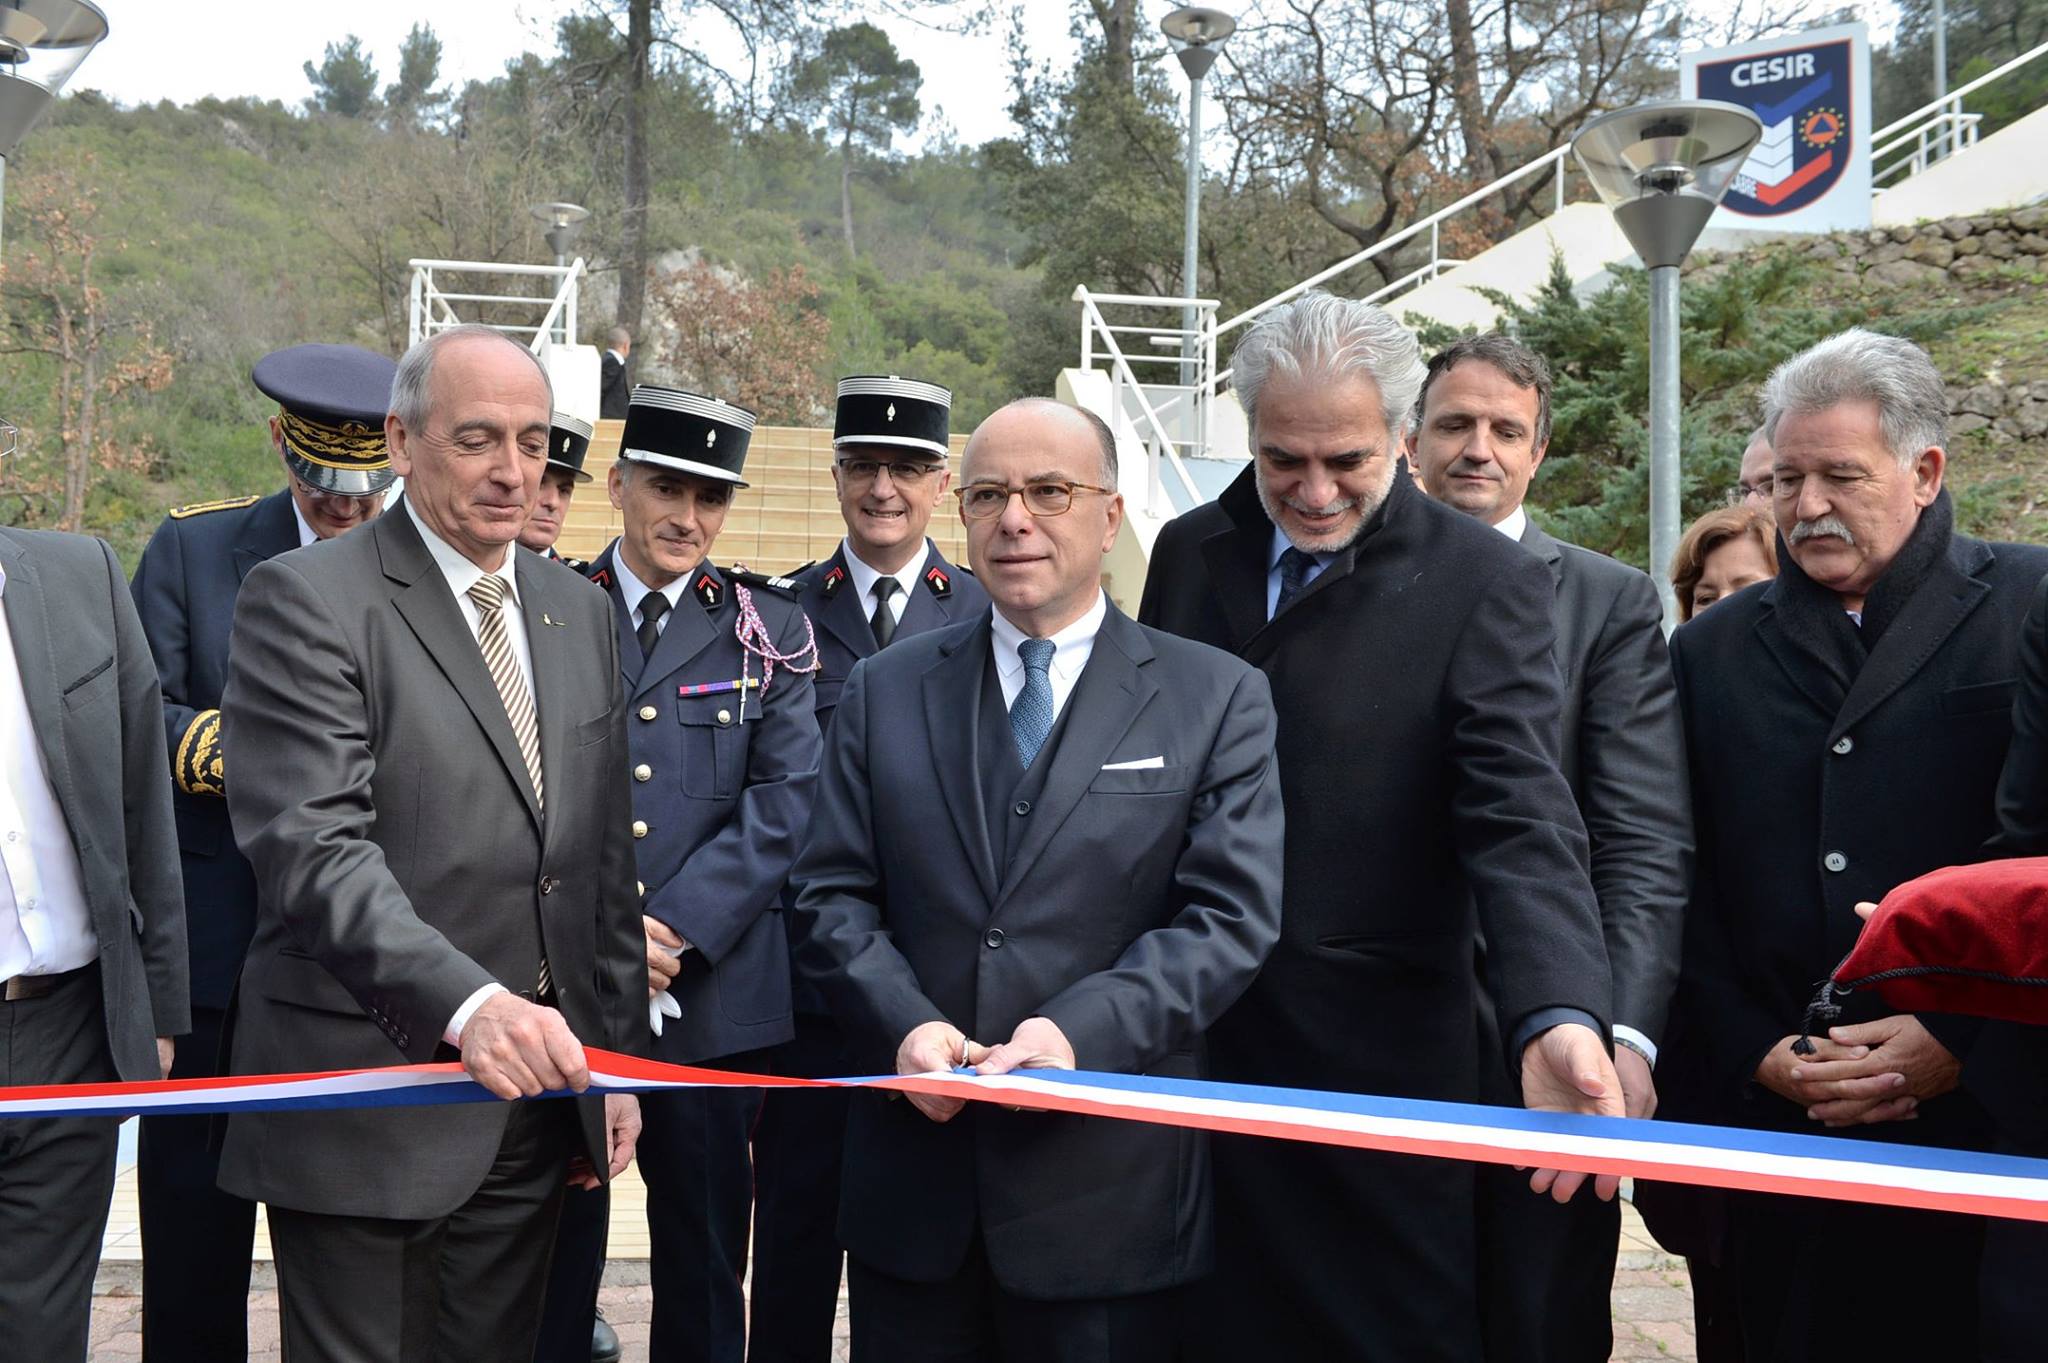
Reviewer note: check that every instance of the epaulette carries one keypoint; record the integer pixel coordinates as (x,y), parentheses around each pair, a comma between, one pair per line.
(803,568)
(179,513)
(786,586)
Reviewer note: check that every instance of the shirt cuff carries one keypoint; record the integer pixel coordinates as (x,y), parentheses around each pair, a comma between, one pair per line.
(1637,1042)
(453,1036)
(1541,1021)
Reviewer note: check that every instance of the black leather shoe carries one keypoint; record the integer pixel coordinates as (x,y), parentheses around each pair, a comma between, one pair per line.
(604,1342)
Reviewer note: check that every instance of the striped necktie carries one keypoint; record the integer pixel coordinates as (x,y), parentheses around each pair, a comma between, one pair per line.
(496,643)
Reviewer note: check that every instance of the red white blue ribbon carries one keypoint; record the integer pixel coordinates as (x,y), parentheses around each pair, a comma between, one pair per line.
(1720,1157)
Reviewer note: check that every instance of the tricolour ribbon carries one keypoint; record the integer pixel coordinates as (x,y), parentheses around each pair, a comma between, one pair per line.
(1710,1156)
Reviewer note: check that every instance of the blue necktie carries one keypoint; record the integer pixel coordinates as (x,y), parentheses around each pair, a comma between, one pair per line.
(1294,566)
(1031,712)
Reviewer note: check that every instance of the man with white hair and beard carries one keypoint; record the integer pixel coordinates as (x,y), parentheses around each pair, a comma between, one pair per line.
(1845,724)
(1409,648)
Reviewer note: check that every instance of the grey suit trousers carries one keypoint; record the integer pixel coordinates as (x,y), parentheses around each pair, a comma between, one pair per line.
(56,1173)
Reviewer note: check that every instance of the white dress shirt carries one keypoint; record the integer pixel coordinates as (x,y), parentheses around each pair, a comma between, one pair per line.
(45,926)
(306,532)
(1072,647)
(633,591)
(1513,527)
(1281,544)
(865,578)
(460,574)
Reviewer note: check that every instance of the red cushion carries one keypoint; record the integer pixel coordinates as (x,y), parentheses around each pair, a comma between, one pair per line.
(1966,939)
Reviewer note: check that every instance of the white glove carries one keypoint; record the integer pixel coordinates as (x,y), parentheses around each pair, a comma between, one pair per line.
(662,1004)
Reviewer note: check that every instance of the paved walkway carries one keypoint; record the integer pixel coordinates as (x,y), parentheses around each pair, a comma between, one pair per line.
(1652,1299)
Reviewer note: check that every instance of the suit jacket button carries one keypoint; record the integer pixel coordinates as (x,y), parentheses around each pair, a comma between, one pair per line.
(1844,746)
(1835,861)
(647,712)
(643,772)
(547,884)
(993,938)
(1021,808)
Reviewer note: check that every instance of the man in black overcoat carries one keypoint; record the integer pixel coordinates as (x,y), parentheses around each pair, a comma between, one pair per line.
(1480,434)
(1410,651)
(1845,725)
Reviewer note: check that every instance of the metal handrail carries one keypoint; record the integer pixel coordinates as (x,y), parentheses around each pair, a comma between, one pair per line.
(1385,244)
(1160,447)
(430,309)
(1952,96)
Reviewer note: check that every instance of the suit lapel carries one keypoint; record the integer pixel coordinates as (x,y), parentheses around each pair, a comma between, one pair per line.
(28,623)
(1815,680)
(1545,548)
(553,681)
(428,606)
(605,575)
(1236,560)
(271,531)
(1110,694)
(926,610)
(689,631)
(1948,596)
(952,711)
(841,615)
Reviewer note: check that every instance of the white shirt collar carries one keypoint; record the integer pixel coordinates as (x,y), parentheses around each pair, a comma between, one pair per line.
(865,578)
(306,532)
(460,573)
(633,591)
(1071,646)
(1516,523)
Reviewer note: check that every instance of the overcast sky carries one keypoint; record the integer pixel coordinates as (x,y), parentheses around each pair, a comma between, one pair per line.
(153,53)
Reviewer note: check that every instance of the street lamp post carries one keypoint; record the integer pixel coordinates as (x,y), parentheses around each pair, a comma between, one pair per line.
(42,43)
(565,224)
(1662,169)
(1941,139)
(1200,33)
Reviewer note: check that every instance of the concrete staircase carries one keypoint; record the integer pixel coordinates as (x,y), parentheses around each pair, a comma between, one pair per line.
(788,515)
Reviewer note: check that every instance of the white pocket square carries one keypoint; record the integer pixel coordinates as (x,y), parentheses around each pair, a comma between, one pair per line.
(1135,764)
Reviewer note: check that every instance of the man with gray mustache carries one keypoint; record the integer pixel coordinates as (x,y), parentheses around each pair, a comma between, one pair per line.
(1845,724)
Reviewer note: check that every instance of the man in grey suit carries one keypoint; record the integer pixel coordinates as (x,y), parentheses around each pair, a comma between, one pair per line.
(430,755)
(1091,879)
(92,912)
(1481,431)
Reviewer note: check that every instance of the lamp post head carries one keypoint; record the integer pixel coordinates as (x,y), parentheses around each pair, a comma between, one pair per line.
(565,222)
(42,43)
(1200,33)
(1663,168)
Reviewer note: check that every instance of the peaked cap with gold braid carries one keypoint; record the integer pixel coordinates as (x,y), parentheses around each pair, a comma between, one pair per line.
(333,399)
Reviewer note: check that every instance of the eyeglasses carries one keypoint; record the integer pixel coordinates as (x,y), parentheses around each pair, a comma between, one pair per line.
(909,472)
(985,501)
(1742,492)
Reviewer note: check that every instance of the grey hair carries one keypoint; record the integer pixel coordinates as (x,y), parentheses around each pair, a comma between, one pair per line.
(1322,335)
(1862,366)
(411,385)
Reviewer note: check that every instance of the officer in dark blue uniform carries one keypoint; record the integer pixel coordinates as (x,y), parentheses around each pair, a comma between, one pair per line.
(718,669)
(888,580)
(329,431)
(568,444)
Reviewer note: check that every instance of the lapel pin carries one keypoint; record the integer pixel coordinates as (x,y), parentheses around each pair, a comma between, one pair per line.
(547,619)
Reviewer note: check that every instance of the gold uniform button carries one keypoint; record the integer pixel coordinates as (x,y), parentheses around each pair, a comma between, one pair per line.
(643,772)
(725,716)
(647,712)
(639,828)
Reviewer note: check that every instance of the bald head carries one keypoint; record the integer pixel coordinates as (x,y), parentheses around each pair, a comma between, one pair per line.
(1050,415)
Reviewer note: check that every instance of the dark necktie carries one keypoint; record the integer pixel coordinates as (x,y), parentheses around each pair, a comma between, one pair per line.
(1031,712)
(883,621)
(653,606)
(1294,566)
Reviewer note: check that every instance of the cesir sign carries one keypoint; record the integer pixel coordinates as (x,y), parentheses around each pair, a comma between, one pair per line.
(1810,171)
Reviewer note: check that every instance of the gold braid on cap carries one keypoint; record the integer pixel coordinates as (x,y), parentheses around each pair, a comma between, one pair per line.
(351,446)
(198,767)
